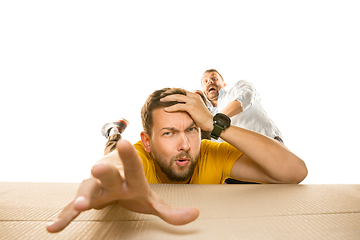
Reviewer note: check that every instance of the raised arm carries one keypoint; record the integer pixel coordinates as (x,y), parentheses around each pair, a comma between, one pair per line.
(232,109)
(241,97)
(264,160)
(129,189)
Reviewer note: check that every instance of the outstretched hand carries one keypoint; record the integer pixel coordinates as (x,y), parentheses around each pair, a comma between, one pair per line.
(129,189)
(194,106)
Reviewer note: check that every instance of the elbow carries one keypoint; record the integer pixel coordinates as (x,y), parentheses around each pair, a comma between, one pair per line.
(294,175)
(300,174)
(304,174)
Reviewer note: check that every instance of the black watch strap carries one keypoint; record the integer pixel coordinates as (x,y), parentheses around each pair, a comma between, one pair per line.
(216,131)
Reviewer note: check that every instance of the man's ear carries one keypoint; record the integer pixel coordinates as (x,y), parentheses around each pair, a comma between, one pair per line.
(145,138)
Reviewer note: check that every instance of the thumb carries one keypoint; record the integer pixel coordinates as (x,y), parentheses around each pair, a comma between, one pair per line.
(178,216)
(174,215)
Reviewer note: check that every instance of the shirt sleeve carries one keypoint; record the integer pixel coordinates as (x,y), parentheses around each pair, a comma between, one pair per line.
(244,92)
(229,156)
(149,168)
(223,156)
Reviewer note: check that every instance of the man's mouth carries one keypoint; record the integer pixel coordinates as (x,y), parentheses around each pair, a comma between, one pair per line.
(182,162)
(211,89)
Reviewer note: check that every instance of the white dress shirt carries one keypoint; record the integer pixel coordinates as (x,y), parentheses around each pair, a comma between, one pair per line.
(253,117)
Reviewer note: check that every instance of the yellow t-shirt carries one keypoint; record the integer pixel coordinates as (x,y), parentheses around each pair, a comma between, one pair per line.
(214,164)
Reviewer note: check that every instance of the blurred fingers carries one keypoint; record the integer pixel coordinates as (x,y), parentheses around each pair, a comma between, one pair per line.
(65,217)
(108,175)
(133,168)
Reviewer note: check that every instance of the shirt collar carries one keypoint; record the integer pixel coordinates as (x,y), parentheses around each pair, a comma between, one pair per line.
(222,93)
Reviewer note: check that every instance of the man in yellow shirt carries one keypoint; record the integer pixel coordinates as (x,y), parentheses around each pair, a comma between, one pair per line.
(171,151)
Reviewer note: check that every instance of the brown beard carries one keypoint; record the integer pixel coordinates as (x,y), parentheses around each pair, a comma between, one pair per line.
(172,175)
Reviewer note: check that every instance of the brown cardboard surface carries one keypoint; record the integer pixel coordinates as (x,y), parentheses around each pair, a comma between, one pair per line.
(226,212)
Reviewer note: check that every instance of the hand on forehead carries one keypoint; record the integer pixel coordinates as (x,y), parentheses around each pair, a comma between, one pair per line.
(193,105)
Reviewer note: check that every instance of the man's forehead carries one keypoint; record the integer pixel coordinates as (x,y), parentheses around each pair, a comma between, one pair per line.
(210,74)
(171,119)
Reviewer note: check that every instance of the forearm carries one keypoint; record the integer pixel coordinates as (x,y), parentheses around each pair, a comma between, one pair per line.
(274,159)
(232,109)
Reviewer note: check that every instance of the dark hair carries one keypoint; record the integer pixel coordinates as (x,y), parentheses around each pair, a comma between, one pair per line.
(213,70)
(153,102)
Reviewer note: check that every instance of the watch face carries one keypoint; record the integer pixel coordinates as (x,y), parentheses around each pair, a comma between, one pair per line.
(222,120)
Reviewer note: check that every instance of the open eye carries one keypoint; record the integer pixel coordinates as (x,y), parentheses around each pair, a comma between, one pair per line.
(167,134)
(192,129)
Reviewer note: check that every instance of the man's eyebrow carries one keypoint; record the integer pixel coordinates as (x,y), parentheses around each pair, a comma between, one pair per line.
(174,129)
(168,128)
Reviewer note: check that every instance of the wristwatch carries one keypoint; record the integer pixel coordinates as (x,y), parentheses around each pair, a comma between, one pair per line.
(221,122)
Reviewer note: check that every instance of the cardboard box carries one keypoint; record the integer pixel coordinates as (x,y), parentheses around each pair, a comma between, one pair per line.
(226,212)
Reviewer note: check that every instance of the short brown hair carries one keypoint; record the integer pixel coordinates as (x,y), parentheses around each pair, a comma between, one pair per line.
(153,102)
(213,70)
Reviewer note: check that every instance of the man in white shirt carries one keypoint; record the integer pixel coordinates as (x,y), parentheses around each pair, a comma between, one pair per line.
(241,103)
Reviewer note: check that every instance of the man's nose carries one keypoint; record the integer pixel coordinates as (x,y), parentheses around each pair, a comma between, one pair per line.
(210,81)
(184,144)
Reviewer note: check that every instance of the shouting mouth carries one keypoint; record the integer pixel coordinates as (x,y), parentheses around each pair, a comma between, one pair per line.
(211,89)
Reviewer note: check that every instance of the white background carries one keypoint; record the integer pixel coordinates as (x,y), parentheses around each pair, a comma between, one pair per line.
(68,67)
